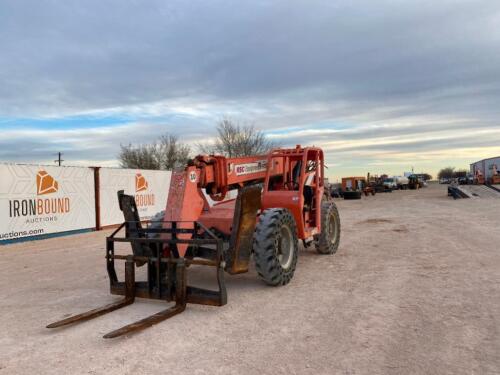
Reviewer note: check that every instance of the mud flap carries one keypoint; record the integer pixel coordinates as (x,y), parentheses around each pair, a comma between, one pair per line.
(247,204)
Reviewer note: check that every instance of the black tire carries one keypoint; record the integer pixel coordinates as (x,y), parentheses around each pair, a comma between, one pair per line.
(147,249)
(275,232)
(327,242)
(156,223)
(352,194)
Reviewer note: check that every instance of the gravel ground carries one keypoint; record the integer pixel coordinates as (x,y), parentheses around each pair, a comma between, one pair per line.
(413,289)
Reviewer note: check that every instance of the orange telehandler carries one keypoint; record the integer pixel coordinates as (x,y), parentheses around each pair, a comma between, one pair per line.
(279,201)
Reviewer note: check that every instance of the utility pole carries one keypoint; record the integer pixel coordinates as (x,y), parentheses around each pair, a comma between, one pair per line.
(59,160)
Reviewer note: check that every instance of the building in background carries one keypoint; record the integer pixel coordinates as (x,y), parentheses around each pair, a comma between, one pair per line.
(487,167)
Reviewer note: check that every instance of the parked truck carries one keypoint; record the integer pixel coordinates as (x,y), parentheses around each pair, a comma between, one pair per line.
(396,182)
(389,183)
(402,182)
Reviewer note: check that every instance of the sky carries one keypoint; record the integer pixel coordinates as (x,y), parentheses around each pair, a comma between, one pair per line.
(382,86)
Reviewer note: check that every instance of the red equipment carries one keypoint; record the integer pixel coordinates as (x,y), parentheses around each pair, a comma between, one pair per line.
(280,199)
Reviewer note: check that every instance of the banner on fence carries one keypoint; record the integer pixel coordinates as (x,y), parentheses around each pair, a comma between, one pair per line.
(150,189)
(37,200)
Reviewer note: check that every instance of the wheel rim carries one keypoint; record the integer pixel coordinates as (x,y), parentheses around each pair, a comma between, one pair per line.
(332,229)
(285,247)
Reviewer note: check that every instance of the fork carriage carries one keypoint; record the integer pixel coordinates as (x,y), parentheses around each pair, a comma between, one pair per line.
(156,247)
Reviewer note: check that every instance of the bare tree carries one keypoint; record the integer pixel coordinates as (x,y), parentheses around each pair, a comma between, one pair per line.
(460,173)
(446,172)
(235,140)
(173,153)
(426,176)
(139,157)
(168,153)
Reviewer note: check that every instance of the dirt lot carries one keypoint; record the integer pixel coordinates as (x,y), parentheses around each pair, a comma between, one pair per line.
(413,289)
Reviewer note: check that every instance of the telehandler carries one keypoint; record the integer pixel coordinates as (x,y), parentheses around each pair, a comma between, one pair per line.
(279,201)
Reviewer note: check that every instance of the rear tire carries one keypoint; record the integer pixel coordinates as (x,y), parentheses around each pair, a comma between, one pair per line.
(275,246)
(327,242)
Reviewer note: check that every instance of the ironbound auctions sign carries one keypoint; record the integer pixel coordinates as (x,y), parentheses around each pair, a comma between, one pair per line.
(150,189)
(37,200)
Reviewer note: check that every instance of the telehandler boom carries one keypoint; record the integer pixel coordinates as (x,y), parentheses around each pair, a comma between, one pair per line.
(279,200)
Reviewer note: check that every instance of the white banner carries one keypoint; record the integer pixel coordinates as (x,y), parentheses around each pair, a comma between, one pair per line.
(36,200)
(150,189)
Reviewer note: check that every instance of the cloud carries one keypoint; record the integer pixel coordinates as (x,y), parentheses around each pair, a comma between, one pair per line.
(386,81)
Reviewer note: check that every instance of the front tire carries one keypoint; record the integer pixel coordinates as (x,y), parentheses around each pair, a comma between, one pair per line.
(275,246)
(327,242)
(156,223)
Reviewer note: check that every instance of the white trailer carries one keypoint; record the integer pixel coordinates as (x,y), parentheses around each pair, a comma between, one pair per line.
(396,182)
(401,182)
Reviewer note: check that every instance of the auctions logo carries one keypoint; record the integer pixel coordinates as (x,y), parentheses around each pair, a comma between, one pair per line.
(45,183)
(141,185)
(42,209)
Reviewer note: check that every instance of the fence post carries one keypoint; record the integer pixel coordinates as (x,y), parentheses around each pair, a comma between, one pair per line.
(97,195)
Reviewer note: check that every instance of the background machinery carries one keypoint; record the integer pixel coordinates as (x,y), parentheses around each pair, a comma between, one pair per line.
(414,182)
(352,187)
(280,200)
(370,187)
